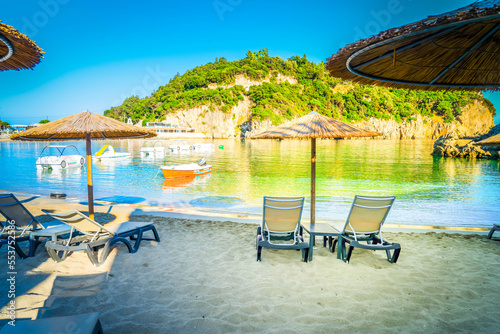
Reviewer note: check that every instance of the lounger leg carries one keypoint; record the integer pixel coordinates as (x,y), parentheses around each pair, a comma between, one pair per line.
(349,253)
(259,251)
(493,229)
(395,256)
(155,232)
(136,245)
(305,254)
(343,251)
(19,251)
(34,245)
(107,248)
(389,256)
(257,238)
(332,242)
(54,255)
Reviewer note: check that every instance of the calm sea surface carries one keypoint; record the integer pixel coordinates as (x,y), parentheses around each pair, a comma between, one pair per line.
(429,190)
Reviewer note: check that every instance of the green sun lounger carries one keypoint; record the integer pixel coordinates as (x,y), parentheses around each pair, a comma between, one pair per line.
(94,236)
(495,227)
(87,323)
(280,225)
(22,221)
(363,228)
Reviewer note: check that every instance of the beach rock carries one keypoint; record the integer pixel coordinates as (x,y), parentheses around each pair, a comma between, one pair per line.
(493,131)
(449,145)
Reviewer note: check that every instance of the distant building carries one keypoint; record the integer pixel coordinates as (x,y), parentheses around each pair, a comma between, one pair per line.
(173,131)
(18,127)
(130,121)
(34,125)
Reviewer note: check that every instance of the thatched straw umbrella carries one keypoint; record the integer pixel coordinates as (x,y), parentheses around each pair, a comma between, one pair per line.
(457,50)
(312,126)
(84,126)
(17,51)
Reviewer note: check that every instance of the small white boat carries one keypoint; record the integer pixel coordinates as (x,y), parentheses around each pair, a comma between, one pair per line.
(56,156)
(180,145)
(107,152)
(203,147)
(186,170)
(152,147)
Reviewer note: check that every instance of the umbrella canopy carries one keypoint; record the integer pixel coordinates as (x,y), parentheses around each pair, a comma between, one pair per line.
(314,125)
(457,50)
(490,141)
(76,127)
(17,51)
(84,126)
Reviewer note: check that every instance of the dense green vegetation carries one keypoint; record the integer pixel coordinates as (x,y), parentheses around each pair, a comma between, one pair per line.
(316,90)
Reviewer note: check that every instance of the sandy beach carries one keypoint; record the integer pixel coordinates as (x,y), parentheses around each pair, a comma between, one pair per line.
(203,278)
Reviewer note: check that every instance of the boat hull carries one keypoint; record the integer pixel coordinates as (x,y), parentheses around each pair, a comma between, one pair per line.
(116,156)
(188,170)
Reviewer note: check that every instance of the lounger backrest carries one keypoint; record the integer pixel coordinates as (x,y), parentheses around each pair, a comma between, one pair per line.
(368,214)
(79,222)
(13,210)
(282,214)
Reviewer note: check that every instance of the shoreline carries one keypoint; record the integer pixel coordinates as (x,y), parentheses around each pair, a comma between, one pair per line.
(216,215)
(203,277)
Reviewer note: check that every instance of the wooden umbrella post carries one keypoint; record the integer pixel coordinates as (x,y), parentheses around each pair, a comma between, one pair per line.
(90,188)
(313,180)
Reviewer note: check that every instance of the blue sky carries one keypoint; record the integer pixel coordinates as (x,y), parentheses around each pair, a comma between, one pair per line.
(100,52)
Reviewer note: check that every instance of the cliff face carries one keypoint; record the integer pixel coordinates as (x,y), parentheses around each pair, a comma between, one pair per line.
(476,119)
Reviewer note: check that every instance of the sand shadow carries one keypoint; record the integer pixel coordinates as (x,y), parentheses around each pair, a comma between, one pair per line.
(27,200)
(20,288)
(122,199)
(76,294)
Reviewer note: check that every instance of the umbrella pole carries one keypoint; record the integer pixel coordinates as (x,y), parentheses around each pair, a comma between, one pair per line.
(313,180)
(90,189)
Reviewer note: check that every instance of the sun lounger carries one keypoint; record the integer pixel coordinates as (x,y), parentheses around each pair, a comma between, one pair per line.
(87,323)
(280,225)
(22,221)
(95,236)
(496,227)
(363,227)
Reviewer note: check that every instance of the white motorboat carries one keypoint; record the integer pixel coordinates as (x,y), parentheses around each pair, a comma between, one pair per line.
(203,147)
(107,152)
(153,147)
(187,170)
(56,156)
(180,145)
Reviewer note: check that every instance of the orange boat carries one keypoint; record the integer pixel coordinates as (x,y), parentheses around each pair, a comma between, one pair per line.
(187,170)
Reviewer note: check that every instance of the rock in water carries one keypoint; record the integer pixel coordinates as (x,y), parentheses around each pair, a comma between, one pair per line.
(448,146)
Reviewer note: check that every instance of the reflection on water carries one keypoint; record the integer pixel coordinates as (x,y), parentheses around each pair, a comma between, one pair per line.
(185,181)
(429,190)
(58,173)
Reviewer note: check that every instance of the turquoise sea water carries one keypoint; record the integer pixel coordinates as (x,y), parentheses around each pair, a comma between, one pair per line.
(429,190)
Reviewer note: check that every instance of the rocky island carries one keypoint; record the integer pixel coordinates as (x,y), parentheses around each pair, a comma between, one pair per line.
(240,98)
